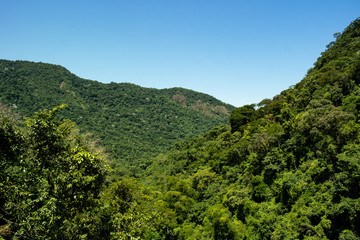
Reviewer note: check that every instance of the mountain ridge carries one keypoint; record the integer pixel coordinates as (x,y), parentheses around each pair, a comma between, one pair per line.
(132,121)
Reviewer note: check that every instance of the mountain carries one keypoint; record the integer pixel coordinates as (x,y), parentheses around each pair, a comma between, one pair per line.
(133,122)
(286,168)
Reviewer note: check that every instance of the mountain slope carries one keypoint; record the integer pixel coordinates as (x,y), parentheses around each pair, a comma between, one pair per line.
(288,169)
(134,123)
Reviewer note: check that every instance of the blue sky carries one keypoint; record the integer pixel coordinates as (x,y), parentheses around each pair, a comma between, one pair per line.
(237,51)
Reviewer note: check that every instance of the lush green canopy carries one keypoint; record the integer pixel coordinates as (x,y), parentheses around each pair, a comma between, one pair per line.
(133,123)
(288,168)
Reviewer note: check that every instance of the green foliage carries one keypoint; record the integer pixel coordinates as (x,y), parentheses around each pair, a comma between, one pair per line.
(132,211)
(134,123)
(241,116)
(50,180)
(288,169)
(221,225)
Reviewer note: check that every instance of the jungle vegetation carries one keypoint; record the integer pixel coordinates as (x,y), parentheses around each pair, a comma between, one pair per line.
(133,123)
(285,168)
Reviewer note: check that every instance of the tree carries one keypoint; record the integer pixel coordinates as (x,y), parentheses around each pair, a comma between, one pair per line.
(241,116)
(50,180)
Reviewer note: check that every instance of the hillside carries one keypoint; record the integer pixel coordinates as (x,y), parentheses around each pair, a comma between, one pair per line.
(134,123)
(288,168)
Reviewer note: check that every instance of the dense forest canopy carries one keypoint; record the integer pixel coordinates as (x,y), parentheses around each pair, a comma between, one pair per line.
(286,168)
(132,122)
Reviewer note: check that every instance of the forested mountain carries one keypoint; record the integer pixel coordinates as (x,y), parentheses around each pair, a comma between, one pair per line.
(286,168)
(132,122)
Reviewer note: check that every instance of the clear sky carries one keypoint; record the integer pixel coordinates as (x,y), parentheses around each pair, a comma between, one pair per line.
(237,51)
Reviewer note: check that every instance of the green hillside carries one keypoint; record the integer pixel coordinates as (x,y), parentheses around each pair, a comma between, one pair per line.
(286,168)
(132,122)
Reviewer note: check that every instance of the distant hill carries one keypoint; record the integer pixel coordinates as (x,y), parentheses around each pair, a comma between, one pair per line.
(133,122)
